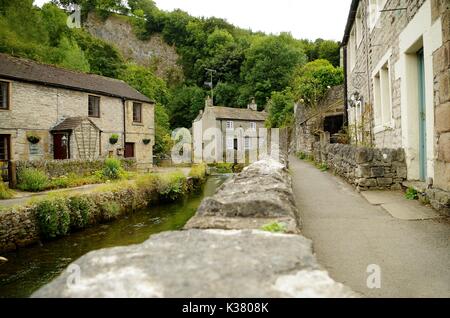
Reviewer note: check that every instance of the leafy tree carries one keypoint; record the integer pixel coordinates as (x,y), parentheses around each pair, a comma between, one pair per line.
(72,56)
(311,81)
(184,105)
(225,94)
(281,109)
(269,64)
(330,50)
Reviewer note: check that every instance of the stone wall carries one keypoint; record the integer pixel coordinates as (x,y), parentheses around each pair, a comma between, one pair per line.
(221,252)
(58,168)
(365,168)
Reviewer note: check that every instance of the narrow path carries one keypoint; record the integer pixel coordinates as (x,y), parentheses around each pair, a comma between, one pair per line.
(349,234)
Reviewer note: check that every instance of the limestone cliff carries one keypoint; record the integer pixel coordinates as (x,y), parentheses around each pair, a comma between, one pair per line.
(155,51)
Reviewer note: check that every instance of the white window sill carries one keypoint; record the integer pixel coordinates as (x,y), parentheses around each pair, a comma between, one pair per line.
(383,128)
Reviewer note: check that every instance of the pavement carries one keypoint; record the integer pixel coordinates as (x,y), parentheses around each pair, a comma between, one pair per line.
(351,232)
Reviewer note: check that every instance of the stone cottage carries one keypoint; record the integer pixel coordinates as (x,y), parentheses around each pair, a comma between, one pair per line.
(241,129)
(327,117)
(397,64)
(51,113)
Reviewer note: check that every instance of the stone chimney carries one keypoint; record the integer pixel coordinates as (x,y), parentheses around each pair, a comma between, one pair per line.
(209,102)
(252,105)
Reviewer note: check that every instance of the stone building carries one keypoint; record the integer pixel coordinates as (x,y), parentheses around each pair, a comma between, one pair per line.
(241,129)
(52,113)
(397,63)
(326,117)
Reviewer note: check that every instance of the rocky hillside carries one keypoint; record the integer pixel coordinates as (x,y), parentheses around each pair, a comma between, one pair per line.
(118,31)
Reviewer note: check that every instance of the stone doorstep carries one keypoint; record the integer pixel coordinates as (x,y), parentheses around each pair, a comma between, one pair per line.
(398,207)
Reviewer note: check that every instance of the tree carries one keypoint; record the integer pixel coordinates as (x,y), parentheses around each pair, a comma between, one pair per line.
(281,109)
(184,105)
(268,65)
(72,56)
(311,81)
(330,50)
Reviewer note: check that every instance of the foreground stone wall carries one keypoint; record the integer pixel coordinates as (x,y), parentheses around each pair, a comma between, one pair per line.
(221,252)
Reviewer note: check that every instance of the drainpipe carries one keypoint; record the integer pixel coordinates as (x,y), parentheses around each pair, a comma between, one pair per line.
(345,87)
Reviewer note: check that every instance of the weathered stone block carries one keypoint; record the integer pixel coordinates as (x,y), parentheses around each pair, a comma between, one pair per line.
(384,182)
(442,115)
(444,147)
(364,182)
(444,87)
(377,172)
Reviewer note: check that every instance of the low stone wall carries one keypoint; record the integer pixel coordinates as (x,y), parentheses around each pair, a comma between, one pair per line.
(19,226)
(222,251)
(58,168)
(366,168)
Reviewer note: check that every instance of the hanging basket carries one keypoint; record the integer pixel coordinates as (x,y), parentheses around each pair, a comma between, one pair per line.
(146,141)
(113,139)
(33,139)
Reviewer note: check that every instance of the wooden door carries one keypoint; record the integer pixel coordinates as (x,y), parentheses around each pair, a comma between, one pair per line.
(129,150)
(60,147)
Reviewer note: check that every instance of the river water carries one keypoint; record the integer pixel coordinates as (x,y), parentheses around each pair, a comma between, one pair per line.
(30,268)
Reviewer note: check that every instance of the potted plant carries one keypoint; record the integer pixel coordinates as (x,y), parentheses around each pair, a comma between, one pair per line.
(146,141)
(114,139)
(33,138)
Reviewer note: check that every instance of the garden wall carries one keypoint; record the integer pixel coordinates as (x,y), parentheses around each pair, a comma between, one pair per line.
(57,216)
(58,168)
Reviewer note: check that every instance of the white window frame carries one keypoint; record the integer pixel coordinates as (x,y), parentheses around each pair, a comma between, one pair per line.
(382,89)
(359,28)
(352,51)
(374,10)
(247,143)
(230,143)
(230,125)
(253,125)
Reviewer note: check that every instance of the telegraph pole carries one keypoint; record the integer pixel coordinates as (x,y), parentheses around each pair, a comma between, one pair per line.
(210,84)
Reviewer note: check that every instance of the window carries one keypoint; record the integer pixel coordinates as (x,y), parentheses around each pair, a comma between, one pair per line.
(253,126)
(4,95)
(137,112)
(352,50)
(230,143)
(262,142)
(247,143)
(359,29)
(382,98)
(4,144)
(230,125)
(94,106)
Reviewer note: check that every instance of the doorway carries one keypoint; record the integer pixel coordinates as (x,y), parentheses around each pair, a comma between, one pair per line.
(60,147)
(129,150)
(5,156)
(422,117)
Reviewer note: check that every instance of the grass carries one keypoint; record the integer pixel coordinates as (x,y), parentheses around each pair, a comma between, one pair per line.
(275,227)
(322,166)
(5,191)
(411,194)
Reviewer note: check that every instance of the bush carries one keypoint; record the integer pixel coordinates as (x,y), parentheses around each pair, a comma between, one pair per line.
(198,171)
(5,192)
(113,169)
(80,211)
(172,186)
(53,217)
(30,179)
(411,194)
(110,210)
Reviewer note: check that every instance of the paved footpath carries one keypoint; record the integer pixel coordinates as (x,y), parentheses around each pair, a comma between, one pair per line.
(349,234)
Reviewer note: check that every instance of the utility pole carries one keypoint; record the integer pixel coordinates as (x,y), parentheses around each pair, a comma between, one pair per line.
(210,84)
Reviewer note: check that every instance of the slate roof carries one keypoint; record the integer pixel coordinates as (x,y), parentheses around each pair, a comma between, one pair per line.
(71,123)
(30,71)
(238,113)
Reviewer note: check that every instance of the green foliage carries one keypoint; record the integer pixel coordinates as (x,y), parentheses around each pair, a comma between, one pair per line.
(411,194)
(74,180)
(110,210)
(80,210)
(301,155)
(275,227)
(53,217)
(185,104)
(72,56)
(198,171)
(311,81)
(269,64)
(281,109)
(30,179)
(5,192)
(172,186)
(113,169)
(322,166)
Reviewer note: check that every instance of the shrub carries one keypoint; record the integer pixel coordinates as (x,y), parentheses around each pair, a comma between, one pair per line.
(148,185)
(274,227)
(31,179)
(198,171)
(110,210)
(80,211)
(113,169)
(5,192)
(411,194)
(172,186)
(301,155)
(53,217)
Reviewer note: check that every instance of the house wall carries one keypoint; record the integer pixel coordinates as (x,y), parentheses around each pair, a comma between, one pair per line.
(394,41)
(38,108)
